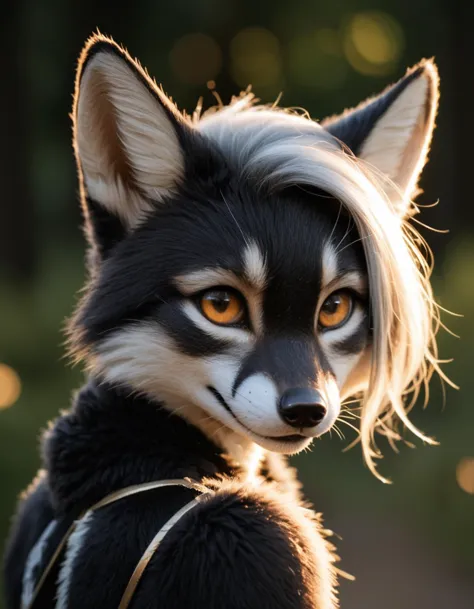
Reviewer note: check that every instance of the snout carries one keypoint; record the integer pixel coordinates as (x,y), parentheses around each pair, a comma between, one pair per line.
(302,407)
(283,394)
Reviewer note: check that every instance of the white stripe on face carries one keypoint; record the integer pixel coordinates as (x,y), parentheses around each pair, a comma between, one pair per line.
(328,264)
(254,266)
(196,281)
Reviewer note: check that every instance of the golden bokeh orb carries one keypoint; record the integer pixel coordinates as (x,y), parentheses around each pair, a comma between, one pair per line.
(465,474)
(10,386)
(373,43)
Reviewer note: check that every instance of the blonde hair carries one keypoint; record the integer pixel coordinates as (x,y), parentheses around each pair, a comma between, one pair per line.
(275,149)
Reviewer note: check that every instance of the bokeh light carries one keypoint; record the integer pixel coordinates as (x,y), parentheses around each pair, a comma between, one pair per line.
(465,474)
(196,58)
(255,58)
(373,43)
(316,60)
(10,386)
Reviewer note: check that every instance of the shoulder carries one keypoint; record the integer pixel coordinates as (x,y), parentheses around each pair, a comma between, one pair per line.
(239,547)
(243,547)
(107,543)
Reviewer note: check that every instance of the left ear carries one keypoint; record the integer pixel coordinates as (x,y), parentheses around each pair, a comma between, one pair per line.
(127,138)
(392,131)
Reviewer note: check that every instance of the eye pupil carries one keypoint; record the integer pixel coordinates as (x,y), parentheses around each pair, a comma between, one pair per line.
(220,301)
(332,304)
(336,310)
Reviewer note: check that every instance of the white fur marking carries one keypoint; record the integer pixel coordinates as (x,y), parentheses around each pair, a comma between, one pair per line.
(73,548)
(329,264)
(254,264)
(255,405)
(206,278)
(34,560)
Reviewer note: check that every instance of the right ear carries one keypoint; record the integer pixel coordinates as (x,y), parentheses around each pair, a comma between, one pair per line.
(126,140)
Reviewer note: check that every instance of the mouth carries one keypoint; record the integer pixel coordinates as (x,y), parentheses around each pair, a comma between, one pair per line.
(290,439)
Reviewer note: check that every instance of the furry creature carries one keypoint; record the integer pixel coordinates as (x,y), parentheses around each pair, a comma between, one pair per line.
(250,270)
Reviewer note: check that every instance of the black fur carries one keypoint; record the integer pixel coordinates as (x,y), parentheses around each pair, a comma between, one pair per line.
(290,363)
(110,440)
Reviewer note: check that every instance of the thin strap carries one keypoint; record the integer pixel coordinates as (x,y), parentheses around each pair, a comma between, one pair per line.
(146,486)
(115,496)
(152,548)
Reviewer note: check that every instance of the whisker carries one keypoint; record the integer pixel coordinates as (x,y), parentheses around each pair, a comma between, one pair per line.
(350,415)
(345,235)
(339,432)
(335,223)
(349,407)
(349,425)
(350,402)
(351,243)
(217,431)
(234,218)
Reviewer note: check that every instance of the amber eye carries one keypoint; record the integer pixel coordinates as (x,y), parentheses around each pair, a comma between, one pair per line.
(223,307)
(336,310)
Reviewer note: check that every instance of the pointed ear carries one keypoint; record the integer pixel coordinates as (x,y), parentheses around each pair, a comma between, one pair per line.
(126,137)
(392,132)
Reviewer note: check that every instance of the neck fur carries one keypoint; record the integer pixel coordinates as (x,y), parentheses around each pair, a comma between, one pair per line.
(243,452)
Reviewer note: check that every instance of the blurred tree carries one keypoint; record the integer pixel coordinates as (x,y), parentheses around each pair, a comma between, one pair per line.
(462,58)
(17,211)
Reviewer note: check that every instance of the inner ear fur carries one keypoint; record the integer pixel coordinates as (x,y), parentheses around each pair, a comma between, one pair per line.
(392,131)
(126,133)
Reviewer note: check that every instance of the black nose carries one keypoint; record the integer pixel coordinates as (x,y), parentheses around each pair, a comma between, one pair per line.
(302,407)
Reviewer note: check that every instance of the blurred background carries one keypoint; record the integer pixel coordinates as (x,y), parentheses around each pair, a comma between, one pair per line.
(410,544)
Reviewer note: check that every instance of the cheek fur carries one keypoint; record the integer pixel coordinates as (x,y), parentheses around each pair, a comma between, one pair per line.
(145,358)
(345,346)
(358,378)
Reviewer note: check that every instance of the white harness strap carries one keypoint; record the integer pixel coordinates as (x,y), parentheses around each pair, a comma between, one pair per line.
(152,547)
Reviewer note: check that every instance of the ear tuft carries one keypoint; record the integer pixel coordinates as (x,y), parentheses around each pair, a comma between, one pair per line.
(392,132)
(126,133)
